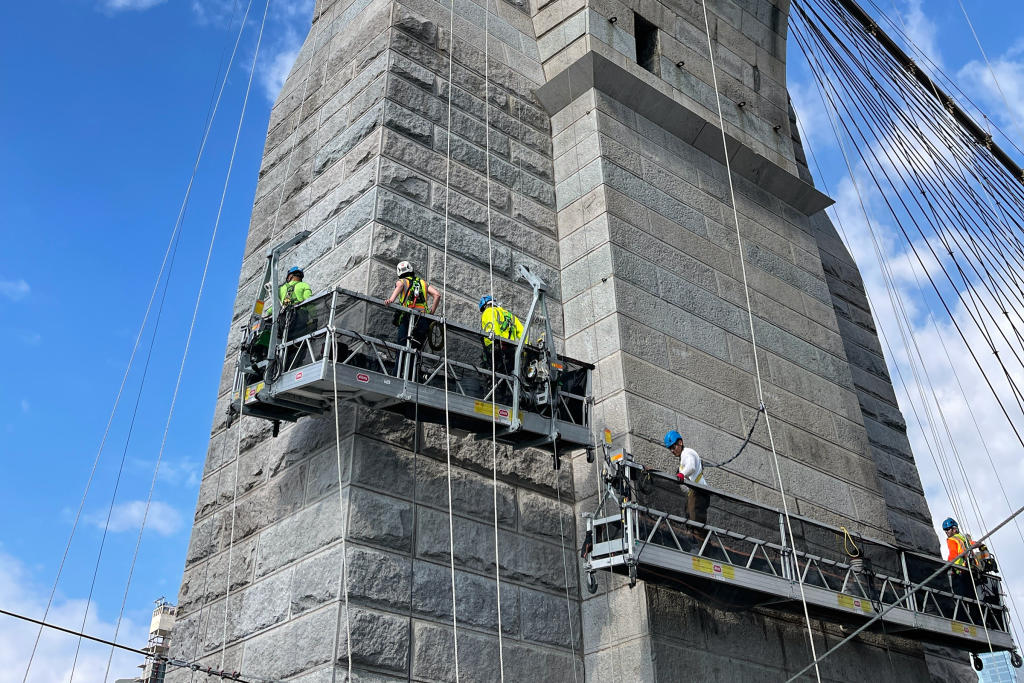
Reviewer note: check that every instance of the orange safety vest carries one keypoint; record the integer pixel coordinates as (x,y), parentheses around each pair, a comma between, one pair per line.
(956,544)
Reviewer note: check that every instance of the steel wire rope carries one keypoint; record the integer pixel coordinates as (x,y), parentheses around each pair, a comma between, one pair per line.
(1007,373)
(910,328)
(753,338)
(343,592)
(117,482)
(342,509)
(168,254)
(494,339)
(900,140)
(972,498)
(444,329)
(238,443)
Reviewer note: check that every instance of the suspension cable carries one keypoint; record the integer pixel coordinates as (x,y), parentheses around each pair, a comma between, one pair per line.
(753,338)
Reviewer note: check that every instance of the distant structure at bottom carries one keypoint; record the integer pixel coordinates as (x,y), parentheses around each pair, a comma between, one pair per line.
(159,642)
(997,668)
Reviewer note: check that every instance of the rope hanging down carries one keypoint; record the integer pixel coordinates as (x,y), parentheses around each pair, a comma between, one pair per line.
(746,441)
(444,326)
(753,337)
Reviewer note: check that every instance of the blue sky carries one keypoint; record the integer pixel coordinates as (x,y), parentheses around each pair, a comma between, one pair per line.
(104,107)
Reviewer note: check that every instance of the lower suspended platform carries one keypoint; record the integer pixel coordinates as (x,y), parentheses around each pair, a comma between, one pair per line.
(725,562)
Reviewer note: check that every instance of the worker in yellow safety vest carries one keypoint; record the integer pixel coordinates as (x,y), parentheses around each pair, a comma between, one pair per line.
(417,294)
(292,292)
(506,327)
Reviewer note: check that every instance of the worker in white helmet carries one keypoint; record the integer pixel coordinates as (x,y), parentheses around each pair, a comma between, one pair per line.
(412,292)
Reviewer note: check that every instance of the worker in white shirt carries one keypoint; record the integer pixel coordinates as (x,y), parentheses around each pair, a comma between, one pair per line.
(690,470)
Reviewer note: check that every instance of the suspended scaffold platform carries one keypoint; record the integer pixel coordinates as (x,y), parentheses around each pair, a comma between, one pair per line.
(742,557)
(296,360)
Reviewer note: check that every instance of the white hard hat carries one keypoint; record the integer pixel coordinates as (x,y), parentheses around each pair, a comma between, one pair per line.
(404,268)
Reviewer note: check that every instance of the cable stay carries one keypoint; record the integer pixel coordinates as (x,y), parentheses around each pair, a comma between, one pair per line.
(743,558)
(287,368)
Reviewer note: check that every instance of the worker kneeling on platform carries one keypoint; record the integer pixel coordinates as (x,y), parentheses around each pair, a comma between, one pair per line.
(412,292)
(690,470)
(507,330)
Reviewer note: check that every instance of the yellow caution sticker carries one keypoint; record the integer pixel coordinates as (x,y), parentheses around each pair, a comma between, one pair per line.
(608,436)
(491,410)
(964,629)
(850,602)
(250,392)
(259,308)
(716,569)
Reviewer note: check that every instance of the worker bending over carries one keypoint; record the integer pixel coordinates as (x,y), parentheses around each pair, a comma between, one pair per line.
(412,292)
(507,329)
(690,470)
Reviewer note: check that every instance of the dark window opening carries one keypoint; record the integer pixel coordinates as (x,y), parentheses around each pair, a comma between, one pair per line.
(646,43)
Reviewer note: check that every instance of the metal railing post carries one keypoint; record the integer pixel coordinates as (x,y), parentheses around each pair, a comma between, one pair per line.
(912,600)
(787,569)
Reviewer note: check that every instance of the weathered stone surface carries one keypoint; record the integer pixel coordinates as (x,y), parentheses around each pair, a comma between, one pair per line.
(388,150)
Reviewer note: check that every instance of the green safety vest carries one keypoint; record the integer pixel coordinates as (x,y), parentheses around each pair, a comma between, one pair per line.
(415,294)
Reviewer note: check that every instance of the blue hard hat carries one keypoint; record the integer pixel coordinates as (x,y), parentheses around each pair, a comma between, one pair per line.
(949,524)
(295,269)
(485,300)
(671,438)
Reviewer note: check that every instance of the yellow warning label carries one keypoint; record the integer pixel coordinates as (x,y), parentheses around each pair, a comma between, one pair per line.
(850,602)
(259,308)
(608,436)
(964,629)
(716,569)
(250,392)
(491,410)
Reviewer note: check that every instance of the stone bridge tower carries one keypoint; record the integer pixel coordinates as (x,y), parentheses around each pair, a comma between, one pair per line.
(598,121)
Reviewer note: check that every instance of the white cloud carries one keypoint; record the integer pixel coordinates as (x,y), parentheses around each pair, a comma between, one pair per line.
(977,80)
(15,290)
(922,31)
(53,659)
(129,5)
(935,336)
(273,74)
(162,518)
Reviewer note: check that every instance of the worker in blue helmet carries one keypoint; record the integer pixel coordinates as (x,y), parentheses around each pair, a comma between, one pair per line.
(506,329)
(958,546)
(691,469)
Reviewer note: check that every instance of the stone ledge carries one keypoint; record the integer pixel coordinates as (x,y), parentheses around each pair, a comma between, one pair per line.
(595,71)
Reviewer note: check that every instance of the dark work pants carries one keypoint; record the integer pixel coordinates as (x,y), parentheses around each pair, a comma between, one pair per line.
(419,336)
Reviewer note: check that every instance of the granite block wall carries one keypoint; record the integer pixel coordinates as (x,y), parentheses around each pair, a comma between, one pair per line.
(405,132)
